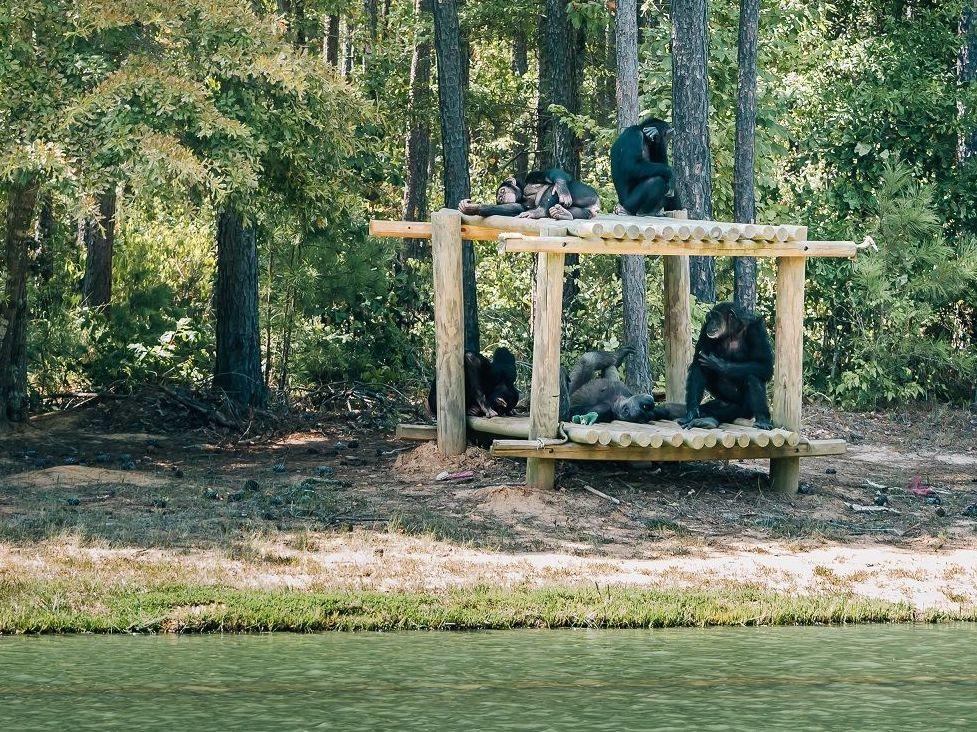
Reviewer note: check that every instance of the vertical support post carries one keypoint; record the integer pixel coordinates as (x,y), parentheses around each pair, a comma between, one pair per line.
(788,372)
(678,317)
(544,404)
(449,330)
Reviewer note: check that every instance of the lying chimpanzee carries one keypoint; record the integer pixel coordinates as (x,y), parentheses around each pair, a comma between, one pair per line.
(734,361)
(586,399)
(640,169)
(490,384)
(554,194)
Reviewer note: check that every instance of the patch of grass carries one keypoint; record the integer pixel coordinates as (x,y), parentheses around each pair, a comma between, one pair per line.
(30,606)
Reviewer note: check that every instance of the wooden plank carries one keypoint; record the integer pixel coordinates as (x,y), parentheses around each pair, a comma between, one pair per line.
(504,426)
(422,230)
(665,453)
(515,242)
(678,328)
(544,402)
(788,365)
(419,432)
(449,330)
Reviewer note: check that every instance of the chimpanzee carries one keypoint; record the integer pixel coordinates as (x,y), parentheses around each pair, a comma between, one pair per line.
(490,384)
(734,361)
(606,398)
(554,194)
(640,169)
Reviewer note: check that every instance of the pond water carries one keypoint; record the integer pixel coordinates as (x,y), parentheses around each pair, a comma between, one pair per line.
(854,678)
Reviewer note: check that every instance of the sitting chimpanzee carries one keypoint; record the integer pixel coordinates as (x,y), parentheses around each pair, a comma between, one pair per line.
(640,169)
(586,400)
(554,194)
(490,384)
(734,361)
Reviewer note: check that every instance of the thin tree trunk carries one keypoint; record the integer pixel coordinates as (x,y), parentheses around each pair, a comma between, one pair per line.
(690,96)
(348,50)
(21,199)
(96,286)
(418,141)
(632,267)
(544,120)
(520,67)
(332,40)
(237,370)
(454,142)
(744,174)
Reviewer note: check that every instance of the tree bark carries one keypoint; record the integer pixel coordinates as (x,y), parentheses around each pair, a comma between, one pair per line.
(418,142)
(520,67)
(332,40)
(744,158)
(454,142)
(96,285)
(544,120)
(632,267)
(237,370)
(690,99)
(967,75)
(21,199)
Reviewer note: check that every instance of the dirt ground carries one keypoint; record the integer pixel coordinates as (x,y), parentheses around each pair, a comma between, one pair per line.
(343,503)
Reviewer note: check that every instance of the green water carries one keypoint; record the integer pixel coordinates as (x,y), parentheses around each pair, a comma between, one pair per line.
(857,678)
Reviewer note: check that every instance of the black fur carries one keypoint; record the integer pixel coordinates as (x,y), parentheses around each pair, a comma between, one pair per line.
(490,384)
(553,194)
(640,169)
(606,395)
(734,361)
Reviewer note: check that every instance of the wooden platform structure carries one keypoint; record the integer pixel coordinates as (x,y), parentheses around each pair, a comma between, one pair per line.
(541,438)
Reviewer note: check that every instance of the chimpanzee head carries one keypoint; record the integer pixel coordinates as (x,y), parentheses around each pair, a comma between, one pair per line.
(504,365)
(510,191)
(639,408)
(656,133)
(726,320)
(504,399)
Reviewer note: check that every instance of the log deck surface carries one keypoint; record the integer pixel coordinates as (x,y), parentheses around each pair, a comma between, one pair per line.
(674,238)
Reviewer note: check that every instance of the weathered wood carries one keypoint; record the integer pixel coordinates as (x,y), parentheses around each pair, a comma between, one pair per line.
(449,330)
(666,453)
(504,426)
(678,328)
(422,230)
(514,242)
(788,365)
(418,432)
(544,405)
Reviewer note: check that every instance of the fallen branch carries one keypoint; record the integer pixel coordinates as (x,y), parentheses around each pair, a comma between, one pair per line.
(612,499)
(206,410)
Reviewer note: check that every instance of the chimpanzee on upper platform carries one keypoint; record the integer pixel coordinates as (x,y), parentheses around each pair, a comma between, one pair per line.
(640,169)
(552,194)
(734,361)
(587,400)
(490,384)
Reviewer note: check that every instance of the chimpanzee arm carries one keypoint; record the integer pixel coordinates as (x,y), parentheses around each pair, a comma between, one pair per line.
(561,185)
(646,169)
(695,382)
(483,209)
(591,361)
(758,352)
(475,368)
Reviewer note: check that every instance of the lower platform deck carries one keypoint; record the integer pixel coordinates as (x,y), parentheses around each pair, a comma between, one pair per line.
(662,440)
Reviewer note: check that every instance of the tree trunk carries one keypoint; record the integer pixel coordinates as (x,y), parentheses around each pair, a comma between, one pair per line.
(96,286)
(21,198)
(690,100)
(544,120)
(632,267)
(332,40)
(520,67)
(454,142)
(418,126)
(744,174)
(348,49)
(967,75)
(238,365)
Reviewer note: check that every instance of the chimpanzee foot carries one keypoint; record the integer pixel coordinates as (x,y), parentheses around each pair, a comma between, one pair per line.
(585,419)
(619,210)
(560,213)
(533,213)
(706,423)
(467,207)
(763,424)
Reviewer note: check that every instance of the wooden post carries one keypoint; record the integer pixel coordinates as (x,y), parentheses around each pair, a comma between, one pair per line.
(449,330)
(544,404)
(788,370)
(678,316)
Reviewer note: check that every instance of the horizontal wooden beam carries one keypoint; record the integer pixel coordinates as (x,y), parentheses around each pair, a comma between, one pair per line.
(665,453)
(422,230)
(578,245)
(419,432)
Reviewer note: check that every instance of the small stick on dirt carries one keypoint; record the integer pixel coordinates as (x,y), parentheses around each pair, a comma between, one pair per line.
(606,497)
(207,411)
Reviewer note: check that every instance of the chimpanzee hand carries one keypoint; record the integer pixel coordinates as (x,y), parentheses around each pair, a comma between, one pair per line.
(712,362)
(563,193)
(560,213)
(466,206)
(534,213)
(763,423)
(689,418)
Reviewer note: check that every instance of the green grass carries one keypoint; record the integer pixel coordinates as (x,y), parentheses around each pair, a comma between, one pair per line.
(28,606)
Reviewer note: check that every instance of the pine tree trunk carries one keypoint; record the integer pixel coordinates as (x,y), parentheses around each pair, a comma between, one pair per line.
(690,95)
(967,74)
(237,370)
(21,199)
(454,142)
(544,120)
(418,126)
(96,285)
(632,267)
(744,159)
(332,40)
(520,67)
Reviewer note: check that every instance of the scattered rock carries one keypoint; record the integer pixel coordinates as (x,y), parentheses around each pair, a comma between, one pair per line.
(831,471)
(971,511)
(354,460)
(805,489)
(73,501)
(279,467)
(856,437)
(934,500)
(940,511)
(158,502)
(251,486)
(881,500)
(324,471)
(211,493)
